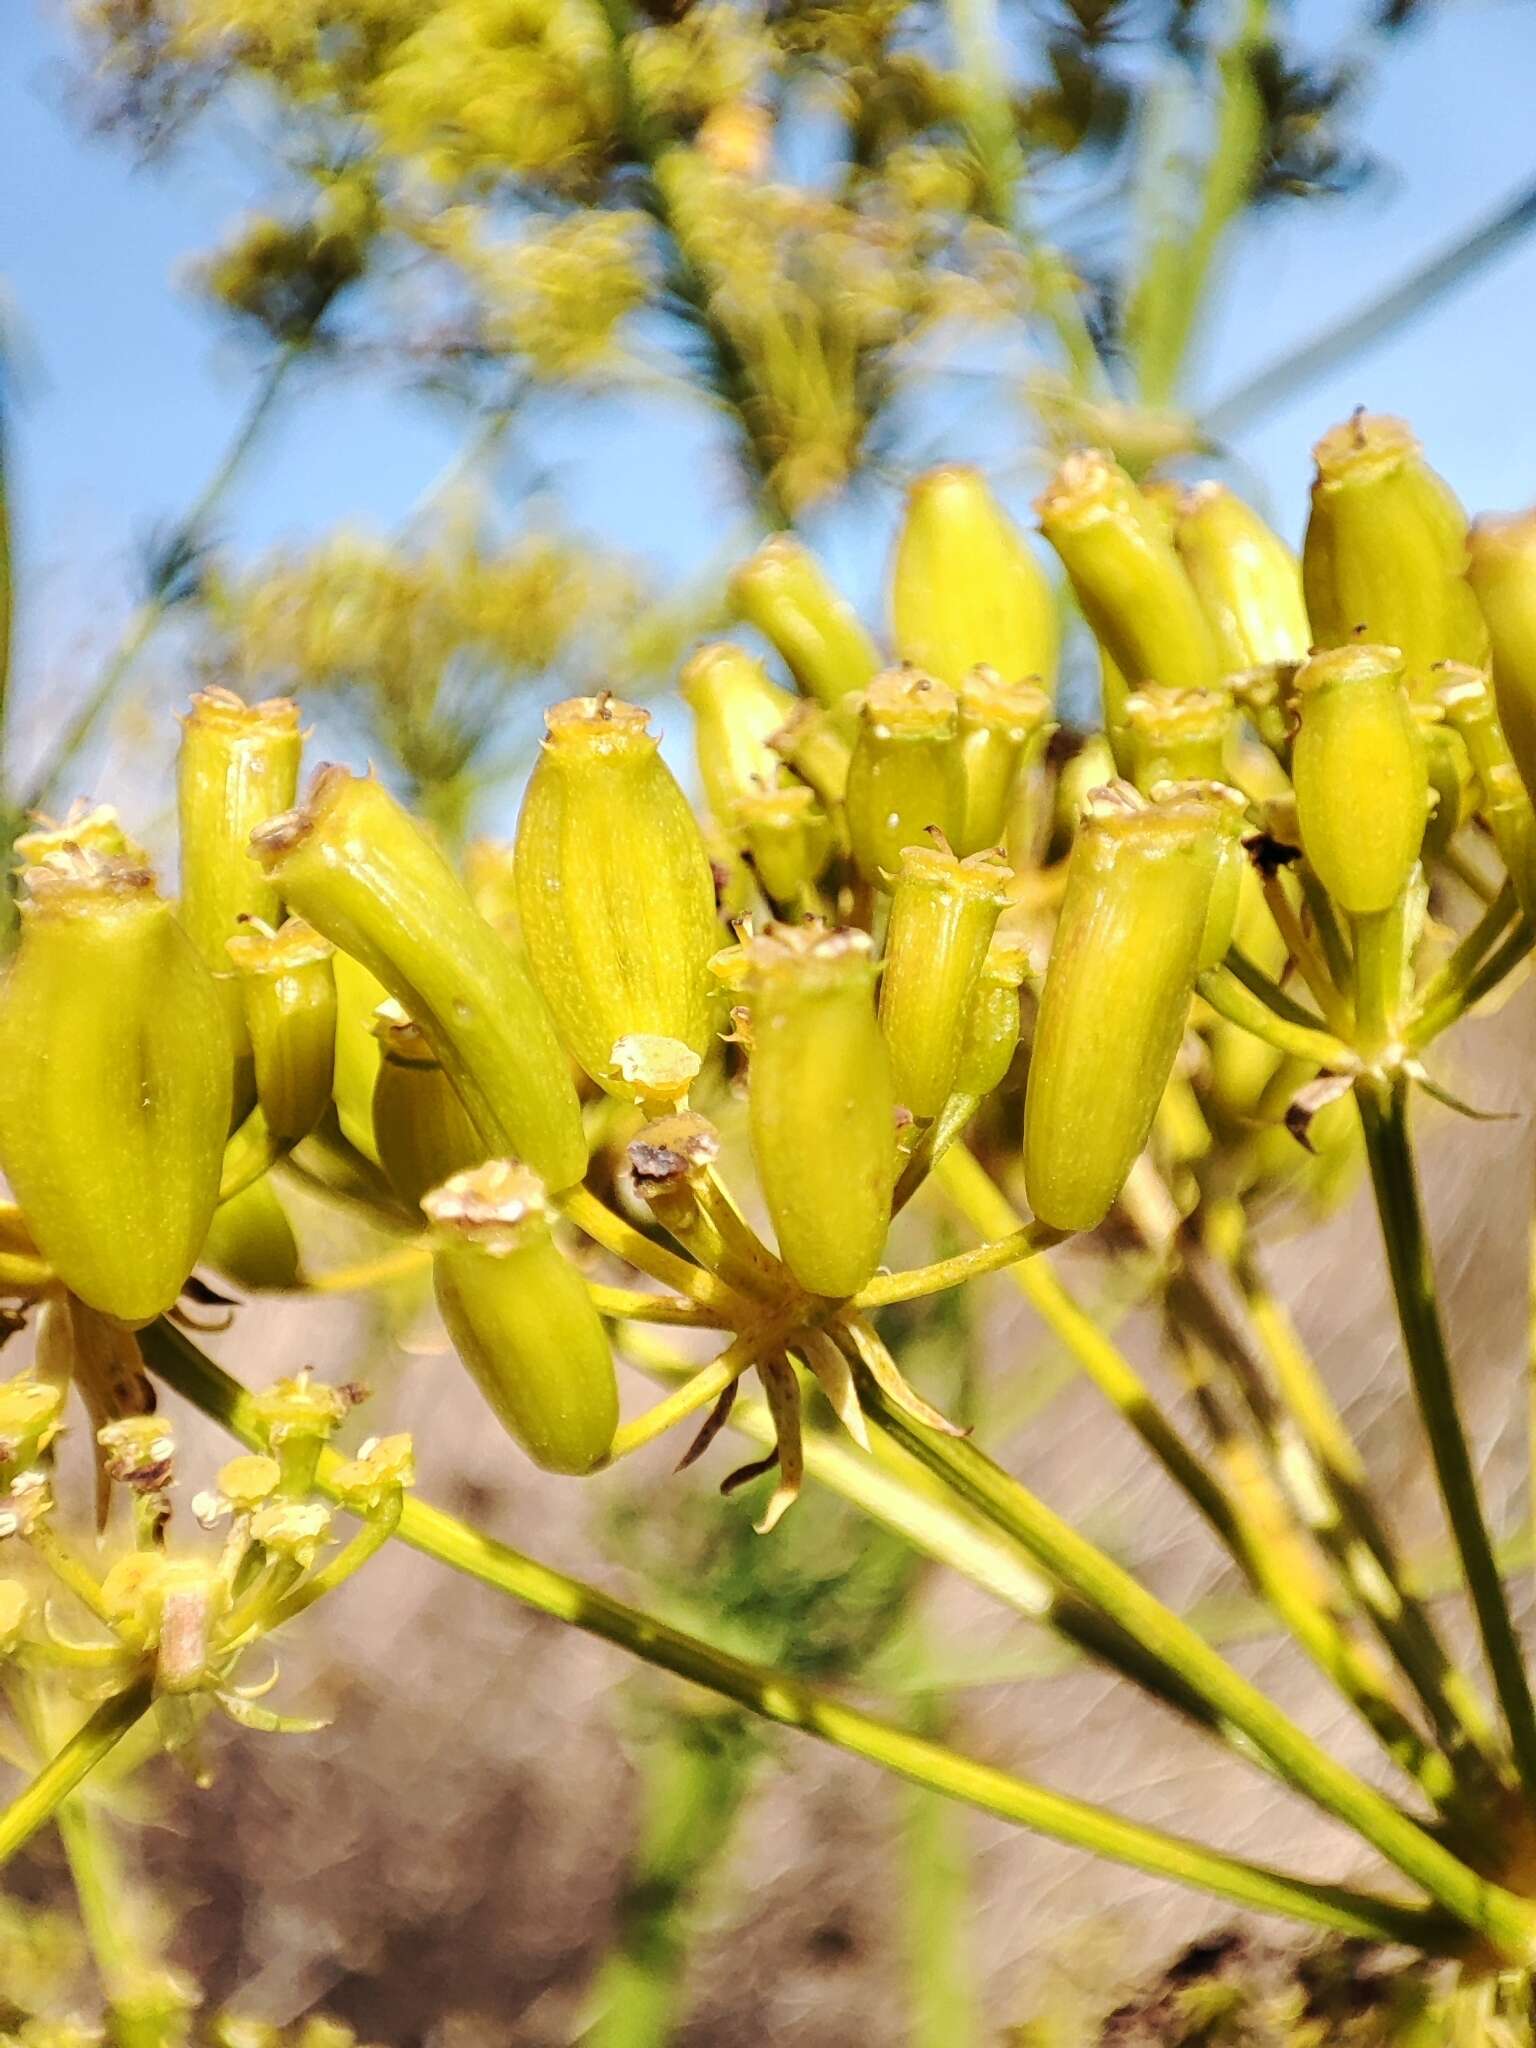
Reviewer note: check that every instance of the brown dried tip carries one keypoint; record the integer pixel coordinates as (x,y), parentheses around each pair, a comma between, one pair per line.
(1366,445)
(280,835)
(400,1036)
(669,1152)
(601,723)
(223,708)
(989,702)
(1085,484)
(499,1206)
(73,878)
(907,703)
(257,949)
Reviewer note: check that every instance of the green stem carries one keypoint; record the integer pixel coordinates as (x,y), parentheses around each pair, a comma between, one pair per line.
(1011,1250)
(1384,1119)
(40,1801)
(1437,1016)
(1378,980)
(1230,996)
(1509,1922)
(774,1696)
(146,619)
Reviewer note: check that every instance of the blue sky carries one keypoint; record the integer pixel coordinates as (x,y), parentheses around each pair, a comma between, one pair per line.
(127,390)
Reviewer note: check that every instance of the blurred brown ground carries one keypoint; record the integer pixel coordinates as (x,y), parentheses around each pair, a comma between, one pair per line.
(439,1867)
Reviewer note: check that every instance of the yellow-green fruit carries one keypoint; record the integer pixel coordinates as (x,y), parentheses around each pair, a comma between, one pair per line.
(1127,576)
(1502,572)
(906,780)
(615,888)
(238,766)
(87,828)
(1466,696)
(967,590)
(1177,735)
(115,1084)
(789,840)
(943,914)
(358,995)
(992,1029)
(736,712)
(251,1244)
(1246,578)
(1115,1001)
(362,871)
(1386,551)
(287,981)
(520,1317)
(1003,730)
(422,1133)
(1362,784)
(785,593)
(820,1103)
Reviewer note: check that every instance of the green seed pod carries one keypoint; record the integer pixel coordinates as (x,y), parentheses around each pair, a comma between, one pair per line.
(789,839)
(1246,578)
(1449,770)
(943,914)
(1502,571)
(785,593)
(89,828)
(1116,1000)
(362,871)
(422,1133)
(520,1317)
(1362,786)
(907,776)
(288,986)
(1225,809)
(992,1029)
(1003,730)
(238,766)
(358,995)
(615,887)
(251,1244)
(1177,735)
(1128,578)
(819,1066)
(736,712)
(966,590)
(115,1084)
(1386,551)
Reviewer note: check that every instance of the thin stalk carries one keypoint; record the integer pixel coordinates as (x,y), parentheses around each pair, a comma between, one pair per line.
(396,1264)
(629,1304)
(611,1231)
(40,1801)
(1378,980)
(701,1391)
(1450,1008)
(1384,1120)
(1019,1245)
(1507,1921)
(774,1696)
(1231,997)
(1451,979)
(146,620)
(937,1912)
(1314,970)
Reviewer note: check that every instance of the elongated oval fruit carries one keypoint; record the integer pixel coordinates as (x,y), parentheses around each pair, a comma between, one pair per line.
(1502,572)
(362,871)
(785,593)
(520,1317)
(238,766)
(820,1103)
(287,981)
(1115,1001)
(115,1084)
(615,887)
(1128,579)
(1362,783)
(422,1133)
(906,779)
(789,840)
(1003,730)
(736,712)
(1386,551)
(1467,698)
(966,590)
(992,1029)
(1177,735)
(943,913)
(1246,578)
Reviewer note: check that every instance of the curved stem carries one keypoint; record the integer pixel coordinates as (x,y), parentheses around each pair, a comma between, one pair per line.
(1384,1119)
(773,1696)
(1233,998)
(40,1800)
(611,1231)
(1020,1244)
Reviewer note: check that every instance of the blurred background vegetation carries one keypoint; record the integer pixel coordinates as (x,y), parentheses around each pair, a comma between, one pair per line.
(436,360)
